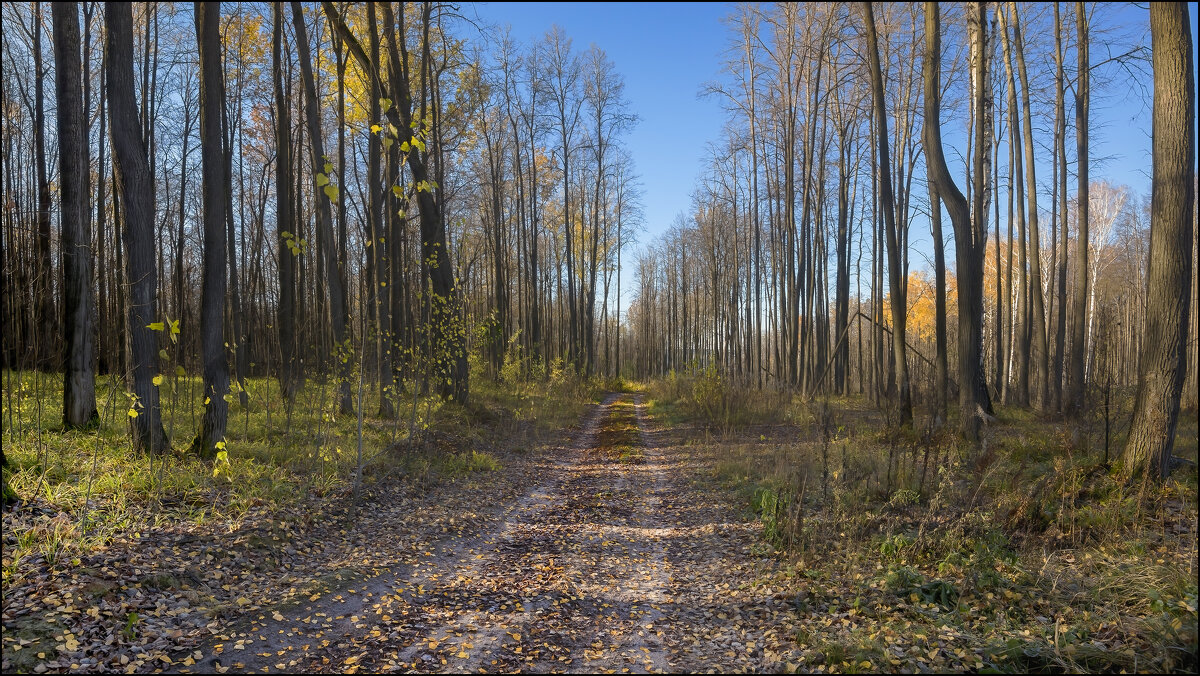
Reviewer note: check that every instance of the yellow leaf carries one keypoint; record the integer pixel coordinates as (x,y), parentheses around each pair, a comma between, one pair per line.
(243,601)
(277,617)
(156,326)
(158,380)
(133,413)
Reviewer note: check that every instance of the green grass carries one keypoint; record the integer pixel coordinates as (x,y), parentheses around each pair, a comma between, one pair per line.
(271,463)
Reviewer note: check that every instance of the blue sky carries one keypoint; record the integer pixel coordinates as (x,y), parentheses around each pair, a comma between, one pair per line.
(667,51)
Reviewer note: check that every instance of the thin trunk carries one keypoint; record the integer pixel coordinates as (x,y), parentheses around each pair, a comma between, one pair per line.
(338,310)
(895,268)
(1075,381)
(286,236)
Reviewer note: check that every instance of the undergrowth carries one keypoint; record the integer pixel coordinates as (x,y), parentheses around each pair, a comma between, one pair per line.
(81,489)
(1025,554)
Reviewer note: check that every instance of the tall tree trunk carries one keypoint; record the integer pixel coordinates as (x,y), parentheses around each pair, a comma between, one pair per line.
(47,334)
(237,320)
(1060,149)
(896,282)
(1021,327)
(381,243)
(841,358)
(137,205)
(214,178)
(285,219)
(79,385)
(1163,357)
(970,238)
(1075,401)
(338,310)
(1041,356)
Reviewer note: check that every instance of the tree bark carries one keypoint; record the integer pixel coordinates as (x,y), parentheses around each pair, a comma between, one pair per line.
(213,177)
(970,238)
(285,219)
(1075,401)
(79,385)
(1162,363)
(137,204)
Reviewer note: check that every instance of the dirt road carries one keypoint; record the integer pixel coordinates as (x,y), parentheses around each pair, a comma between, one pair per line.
(616,561)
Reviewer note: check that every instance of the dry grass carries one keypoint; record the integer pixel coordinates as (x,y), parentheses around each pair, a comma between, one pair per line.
(1030,548)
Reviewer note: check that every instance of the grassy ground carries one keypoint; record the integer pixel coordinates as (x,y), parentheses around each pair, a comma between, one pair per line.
(81,489)
(913,551)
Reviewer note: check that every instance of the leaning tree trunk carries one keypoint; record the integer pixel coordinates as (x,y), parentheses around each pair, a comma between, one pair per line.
(136,191)
(212,300)
(1163,357)
(896,279)
(447,330)
(79,384)
(337,292)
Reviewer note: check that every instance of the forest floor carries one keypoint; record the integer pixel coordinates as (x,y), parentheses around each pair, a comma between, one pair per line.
(803,536)
(602,552)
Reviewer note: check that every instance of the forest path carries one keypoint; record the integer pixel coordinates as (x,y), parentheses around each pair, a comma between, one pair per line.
(616,561)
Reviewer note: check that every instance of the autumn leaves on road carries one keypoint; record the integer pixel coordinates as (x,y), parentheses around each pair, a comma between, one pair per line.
(613,561)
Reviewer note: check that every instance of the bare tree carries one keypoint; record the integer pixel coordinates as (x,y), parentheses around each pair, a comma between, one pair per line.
(970,238)
(896,281)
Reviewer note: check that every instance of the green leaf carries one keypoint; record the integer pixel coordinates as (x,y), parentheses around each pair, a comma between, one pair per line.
(322,179)
(179,371)
(163,354)
(331,192)
(397,191)
(156,326)
(329,167)
(385,105)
